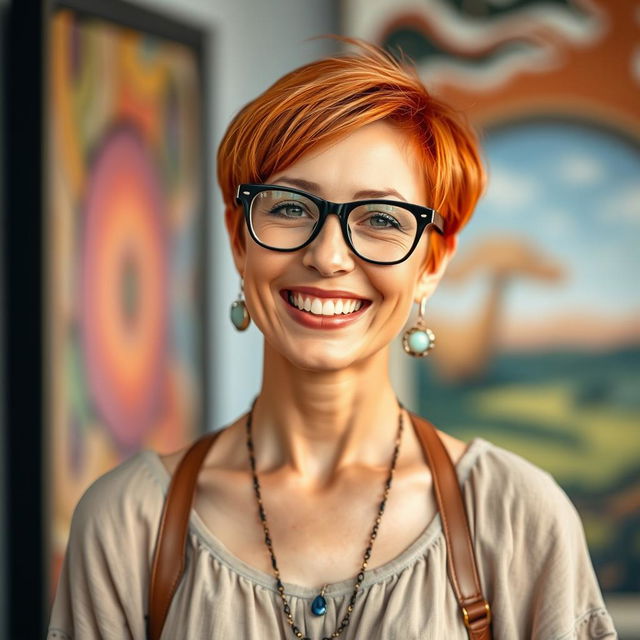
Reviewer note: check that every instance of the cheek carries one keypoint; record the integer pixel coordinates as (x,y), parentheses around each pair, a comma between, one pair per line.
(395,304)
(264,270)
(419,256)
(397,282)
(262,264)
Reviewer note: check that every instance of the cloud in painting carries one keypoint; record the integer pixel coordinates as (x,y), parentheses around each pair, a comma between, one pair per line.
(509,190)
(580,170)
(623,206)
(559,222)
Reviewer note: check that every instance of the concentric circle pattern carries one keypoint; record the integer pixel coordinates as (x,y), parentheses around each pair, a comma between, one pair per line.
(124,302)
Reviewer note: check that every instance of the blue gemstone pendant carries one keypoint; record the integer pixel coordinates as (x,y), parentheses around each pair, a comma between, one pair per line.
(319,605)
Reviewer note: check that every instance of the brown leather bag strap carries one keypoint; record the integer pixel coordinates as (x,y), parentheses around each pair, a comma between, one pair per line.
(169,555)
(461,562)
(170,550)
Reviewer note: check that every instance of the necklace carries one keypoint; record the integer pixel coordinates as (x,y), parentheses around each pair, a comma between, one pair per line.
(319,605)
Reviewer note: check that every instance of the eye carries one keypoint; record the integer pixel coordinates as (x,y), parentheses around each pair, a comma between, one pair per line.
(383,221)
(288,210)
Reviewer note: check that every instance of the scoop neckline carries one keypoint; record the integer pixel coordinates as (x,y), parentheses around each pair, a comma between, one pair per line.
(428,539)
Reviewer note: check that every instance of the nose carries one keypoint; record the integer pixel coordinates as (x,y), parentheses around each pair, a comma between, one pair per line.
(329,254)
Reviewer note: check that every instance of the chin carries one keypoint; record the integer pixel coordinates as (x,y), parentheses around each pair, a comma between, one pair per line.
(320,359)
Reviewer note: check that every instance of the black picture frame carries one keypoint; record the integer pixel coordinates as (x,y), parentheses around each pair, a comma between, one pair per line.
(25,29)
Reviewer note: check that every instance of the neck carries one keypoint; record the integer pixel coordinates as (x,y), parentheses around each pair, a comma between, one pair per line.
(318,423)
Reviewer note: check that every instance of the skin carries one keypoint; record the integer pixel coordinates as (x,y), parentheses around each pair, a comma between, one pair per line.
(326,419)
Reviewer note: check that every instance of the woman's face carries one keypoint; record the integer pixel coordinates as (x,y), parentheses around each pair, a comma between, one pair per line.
(375,161)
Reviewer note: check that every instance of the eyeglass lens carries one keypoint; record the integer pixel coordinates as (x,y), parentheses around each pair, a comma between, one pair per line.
(380,232)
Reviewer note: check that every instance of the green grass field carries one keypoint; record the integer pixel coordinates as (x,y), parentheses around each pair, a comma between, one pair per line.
(578,417)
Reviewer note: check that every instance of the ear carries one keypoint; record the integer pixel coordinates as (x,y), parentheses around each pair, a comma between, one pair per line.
(238,244)
(428,280)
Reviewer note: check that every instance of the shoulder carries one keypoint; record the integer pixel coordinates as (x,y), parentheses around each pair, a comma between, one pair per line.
(101,591)
(508,479)
(132,492)
(516,505)
(130,482)
(530,541)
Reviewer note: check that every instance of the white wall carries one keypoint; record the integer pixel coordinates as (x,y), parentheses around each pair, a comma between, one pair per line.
(253,43)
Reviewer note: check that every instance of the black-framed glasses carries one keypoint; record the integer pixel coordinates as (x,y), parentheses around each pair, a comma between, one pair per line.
(378,231)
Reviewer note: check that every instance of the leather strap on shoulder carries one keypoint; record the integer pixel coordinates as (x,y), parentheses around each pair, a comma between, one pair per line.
(463,572)
(170,551)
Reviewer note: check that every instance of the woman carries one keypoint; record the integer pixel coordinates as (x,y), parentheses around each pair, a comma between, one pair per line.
(326,435)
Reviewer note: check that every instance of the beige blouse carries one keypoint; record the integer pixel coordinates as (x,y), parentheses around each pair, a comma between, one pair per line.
(533,561)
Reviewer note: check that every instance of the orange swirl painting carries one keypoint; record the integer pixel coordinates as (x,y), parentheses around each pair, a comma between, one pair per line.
(125,259)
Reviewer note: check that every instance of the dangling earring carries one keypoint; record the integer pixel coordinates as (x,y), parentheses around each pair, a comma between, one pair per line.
(239,313)
(419,340)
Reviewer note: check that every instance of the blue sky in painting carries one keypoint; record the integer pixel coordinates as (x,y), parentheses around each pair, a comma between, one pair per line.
(574,192)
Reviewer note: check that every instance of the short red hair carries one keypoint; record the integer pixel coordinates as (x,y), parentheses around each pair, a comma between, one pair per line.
(328,99)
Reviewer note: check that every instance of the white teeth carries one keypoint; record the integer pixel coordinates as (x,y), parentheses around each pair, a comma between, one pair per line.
(325,307)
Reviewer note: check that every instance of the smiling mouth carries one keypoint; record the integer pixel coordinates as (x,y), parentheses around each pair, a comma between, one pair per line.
(327,307)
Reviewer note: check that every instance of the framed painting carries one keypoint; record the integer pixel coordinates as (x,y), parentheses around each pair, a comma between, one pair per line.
(117,237)
(125,225)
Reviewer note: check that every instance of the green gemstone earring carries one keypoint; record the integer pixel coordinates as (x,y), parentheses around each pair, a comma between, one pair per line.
(239,313)
(419,340)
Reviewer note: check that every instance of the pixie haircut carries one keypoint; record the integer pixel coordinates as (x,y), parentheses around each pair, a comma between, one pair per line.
(325,100)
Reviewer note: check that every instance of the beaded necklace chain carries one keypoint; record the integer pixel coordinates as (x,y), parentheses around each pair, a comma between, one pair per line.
(319,601)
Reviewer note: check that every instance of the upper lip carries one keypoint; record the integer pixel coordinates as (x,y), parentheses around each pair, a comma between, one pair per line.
(326,293)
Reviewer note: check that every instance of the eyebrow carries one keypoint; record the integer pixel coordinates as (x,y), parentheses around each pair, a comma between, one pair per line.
(314,187)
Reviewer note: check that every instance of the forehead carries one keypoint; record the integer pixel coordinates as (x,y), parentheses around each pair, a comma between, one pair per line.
(376,157)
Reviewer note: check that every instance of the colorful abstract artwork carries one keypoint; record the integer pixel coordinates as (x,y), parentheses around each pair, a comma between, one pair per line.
(538,316)
(125,262)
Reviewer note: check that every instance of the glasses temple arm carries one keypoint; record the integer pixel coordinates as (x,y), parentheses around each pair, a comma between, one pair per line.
(437,221)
